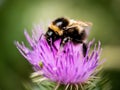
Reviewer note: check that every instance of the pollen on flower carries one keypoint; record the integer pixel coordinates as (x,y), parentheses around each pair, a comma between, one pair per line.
(41,64)
(65,66)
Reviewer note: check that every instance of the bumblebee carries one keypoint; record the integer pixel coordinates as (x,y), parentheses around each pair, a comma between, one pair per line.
(68,30)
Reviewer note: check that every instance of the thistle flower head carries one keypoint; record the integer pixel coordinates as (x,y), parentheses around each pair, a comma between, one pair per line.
(65,65)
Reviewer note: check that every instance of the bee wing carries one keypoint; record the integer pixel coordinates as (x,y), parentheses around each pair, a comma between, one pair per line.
(87,30)
(88,27)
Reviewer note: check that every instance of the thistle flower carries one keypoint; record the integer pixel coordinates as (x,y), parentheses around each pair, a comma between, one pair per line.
(64,66)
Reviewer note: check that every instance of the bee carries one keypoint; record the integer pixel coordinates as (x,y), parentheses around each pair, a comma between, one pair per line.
(68,30)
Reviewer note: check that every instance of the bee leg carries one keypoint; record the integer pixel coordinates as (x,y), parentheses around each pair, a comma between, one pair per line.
(64,40)
(51,43)
(84,49)
(54,46)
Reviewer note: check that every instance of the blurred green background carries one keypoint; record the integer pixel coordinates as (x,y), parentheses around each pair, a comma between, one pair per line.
(17,15)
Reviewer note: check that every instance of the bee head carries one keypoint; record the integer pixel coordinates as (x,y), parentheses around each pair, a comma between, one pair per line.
(61,22)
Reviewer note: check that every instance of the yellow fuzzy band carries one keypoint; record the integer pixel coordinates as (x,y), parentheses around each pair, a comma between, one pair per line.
(56,29)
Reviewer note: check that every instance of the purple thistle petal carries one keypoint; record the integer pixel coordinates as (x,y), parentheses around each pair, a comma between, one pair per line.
(64,65)
(30,41)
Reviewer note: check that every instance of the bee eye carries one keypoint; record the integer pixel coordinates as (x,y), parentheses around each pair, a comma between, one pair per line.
(50,33)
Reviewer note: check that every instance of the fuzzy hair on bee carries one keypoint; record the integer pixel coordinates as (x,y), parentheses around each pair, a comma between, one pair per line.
(68,30)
